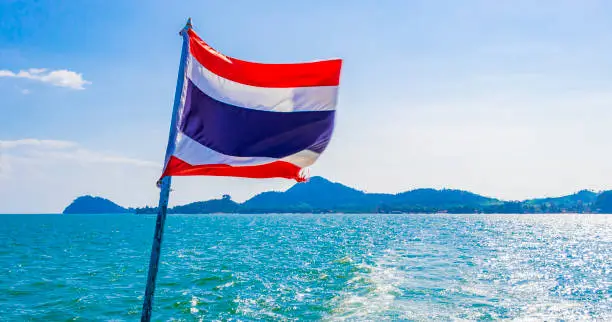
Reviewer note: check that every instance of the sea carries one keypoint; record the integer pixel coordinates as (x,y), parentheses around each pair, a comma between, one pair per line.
(300,267)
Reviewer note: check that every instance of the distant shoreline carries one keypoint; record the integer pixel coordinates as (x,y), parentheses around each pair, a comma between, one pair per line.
(320,196)
(304,213)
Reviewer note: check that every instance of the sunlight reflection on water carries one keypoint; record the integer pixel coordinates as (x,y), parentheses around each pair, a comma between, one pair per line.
(300,267)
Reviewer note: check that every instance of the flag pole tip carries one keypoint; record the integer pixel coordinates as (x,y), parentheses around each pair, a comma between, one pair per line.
(187,27)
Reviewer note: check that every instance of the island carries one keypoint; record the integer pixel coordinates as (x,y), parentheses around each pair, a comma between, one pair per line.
(319,195)
(93,205)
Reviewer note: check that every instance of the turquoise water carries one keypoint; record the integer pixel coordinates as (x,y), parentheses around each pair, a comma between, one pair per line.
(309,267)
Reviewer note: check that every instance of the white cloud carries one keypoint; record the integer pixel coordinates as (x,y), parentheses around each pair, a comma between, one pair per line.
(35,150)
(87,156)
(51,144)
(60,77)
(25,91)
(43,176)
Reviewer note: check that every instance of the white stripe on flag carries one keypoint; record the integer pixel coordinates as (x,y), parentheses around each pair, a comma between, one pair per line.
(298,99)
(195,153)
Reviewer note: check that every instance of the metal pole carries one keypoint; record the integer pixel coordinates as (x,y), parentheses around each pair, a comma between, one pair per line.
(165,185)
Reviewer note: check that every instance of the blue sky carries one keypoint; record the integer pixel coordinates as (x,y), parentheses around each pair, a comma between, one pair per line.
(510,99)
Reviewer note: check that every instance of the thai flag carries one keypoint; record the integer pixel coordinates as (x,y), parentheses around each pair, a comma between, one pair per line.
(253,120)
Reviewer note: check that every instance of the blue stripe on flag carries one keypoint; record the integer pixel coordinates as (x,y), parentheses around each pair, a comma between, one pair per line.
(244,132)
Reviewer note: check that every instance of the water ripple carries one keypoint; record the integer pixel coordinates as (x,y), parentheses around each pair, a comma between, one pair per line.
(309,267)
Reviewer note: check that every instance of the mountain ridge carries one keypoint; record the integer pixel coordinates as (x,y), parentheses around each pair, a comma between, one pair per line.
(320,195)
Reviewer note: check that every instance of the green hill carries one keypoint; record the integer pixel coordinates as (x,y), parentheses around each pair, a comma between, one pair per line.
(581,201)
(316,195)
(93,205)
(320,195)
(603,203)
(223,205)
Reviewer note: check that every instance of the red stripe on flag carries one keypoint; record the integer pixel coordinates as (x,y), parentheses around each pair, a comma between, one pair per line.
(320,73)
(277,169)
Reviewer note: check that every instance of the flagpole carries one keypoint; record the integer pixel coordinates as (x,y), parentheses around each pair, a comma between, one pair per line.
(164,193)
